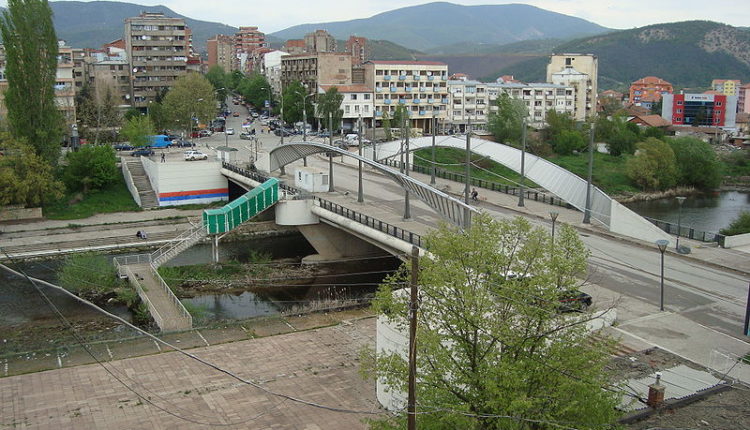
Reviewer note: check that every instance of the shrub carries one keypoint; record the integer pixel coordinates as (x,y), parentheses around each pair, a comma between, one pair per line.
(740,225)
(90,276)
(90,168)
(697,162)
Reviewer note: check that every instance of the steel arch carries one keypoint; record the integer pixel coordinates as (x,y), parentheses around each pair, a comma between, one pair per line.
(448,207)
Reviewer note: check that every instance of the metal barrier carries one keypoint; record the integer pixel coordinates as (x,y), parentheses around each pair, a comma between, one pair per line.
(241,209)
(256,176)
(687,232)
(130,259)
(142,294)
(185,314)
(371,222)
(488,185)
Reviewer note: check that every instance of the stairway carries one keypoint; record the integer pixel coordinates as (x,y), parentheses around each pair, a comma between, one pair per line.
(143,185)
(180,243)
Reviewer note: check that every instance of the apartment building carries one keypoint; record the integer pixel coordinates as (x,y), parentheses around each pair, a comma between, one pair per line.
(649,90)
(539,99)
(221,52)
(358,48)
(322,68)
(727,87)
(247,41)
(420,86)
(358,102)
(272,69)
(319,41)
(65,91)
(743,99)
(580,71)
(158,48)
(467,102)
(294,46)
(700,110)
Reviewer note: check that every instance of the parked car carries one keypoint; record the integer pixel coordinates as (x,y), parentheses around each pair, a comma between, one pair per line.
(284,131)
(246,136)
(145,152)
(324,134)
(236,114)
(341,144)
(230,131)
(124,147)
(181,143)
(204,133)
(172,137)
(575,301)
(195,155)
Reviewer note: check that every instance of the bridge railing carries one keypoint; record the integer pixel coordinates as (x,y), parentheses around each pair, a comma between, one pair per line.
(488,185)
(175,301)
(371,222)
(687,232)
(256,176)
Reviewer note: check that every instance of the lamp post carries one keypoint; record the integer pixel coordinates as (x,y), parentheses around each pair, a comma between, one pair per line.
(304,120)
(553,215)
(432,170)
(662,244)
(680,201)
(360,193)
(467,186)
(587,211)
(407,204)
(523,163)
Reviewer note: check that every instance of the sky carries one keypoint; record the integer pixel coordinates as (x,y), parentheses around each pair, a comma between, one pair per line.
(271,16)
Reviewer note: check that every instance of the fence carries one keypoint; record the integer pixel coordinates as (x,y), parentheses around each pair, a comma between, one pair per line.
(687,232)
(371,222)
(237,211)
(488,185)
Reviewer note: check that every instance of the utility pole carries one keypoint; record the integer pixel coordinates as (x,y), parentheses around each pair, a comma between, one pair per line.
(413,307)
(587,212)
(432,170)
(360,194)
(330,154)
(521,188)
(467,212)
(407,206)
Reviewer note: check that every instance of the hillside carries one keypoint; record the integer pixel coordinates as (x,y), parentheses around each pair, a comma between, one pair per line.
(435,24)
(386,50)
(73,22)
(687,54)
(536,46)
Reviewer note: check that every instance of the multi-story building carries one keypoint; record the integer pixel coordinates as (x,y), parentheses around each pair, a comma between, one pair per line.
(158,48)
(649,90)
(539,98)
(221,52)
(272,69)
(65,91)
(247,41)
(420,86)
(727,87)
(294,46)
(743,99)
(467,102)
(358,102)
(700,110)
(319,41)
(580,71)
(358,48)
(322,68)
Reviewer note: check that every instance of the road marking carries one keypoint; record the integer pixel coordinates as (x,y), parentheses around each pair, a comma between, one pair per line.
(157,345)
(109,352)
(201,336)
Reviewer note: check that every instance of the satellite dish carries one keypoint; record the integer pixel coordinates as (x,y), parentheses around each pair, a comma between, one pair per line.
(135,69)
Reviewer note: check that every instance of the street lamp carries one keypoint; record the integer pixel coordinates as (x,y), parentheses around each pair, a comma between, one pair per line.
(680,200)
(523,163)
(553,215)
(662,244)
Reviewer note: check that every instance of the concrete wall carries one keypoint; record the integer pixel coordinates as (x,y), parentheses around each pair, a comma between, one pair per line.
(10,213)
(738,240)
(129,183)
(628,223)
(187,182)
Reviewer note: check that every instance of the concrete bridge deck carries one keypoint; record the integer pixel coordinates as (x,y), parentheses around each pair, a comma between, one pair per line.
(164,307)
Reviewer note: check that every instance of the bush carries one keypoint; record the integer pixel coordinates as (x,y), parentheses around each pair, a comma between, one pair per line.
(654,166)
(90,276)
(697,162)
(568,141)
(90,168)
(740,225)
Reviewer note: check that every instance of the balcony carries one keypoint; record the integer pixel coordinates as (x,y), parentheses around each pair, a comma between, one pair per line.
(422,89)
(416,77)
(387,101)
(386,77)
(430,100)
(430,78)
(378,89)
(402,77)
(423,112)
(444,101)
(407,88)
(379,112)
(436,89)
(402,101)
(416,101)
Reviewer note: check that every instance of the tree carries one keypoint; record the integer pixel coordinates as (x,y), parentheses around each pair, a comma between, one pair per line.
(697,163)
(386,124)
(31,69)
(137,130)
(190,99)
(234,79)
(97,111)
(557,123)
(25,177)
(654,166)
(740,225)
(568,141)
(220,81)
(256,90)
(506,123)
(293,95)
(491,342)
(330,104)
(90,168)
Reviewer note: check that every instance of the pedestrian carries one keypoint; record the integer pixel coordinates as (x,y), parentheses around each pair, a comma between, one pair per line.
(163,158)
(474,194)
(138,234)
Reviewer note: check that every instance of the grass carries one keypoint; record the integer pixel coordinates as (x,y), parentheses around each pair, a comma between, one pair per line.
(114,198)
(609,171)
(486,169)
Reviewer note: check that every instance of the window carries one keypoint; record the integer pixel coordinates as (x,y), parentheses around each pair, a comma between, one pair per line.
(367,97)
(346,109)
(354,97)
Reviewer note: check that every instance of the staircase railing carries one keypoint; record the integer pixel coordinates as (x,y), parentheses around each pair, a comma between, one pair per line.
(186,239)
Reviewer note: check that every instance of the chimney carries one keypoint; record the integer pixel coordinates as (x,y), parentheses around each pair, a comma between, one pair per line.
(656,393)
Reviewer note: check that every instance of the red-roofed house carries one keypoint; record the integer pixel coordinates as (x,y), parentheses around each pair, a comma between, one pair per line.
(647,91)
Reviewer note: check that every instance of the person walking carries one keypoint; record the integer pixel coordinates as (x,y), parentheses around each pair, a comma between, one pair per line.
(474,194)
(163,158)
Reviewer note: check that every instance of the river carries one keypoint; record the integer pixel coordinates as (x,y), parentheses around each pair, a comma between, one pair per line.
(708,212)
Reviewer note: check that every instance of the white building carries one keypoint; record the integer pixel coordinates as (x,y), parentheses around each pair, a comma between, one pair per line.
(358,102)
(580,71)
(271,69)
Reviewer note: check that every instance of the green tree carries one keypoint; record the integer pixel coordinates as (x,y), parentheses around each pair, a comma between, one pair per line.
(256,90)
(234,79)
(220,81)
(137,130)
(400,116)
(653,132)
(190,99)
(654,166)
(97,112)
(506,123)
(90,168)
(740,225)
(568,141)
(697,163)
(25,177)
(556,124)
(386,124)
(293,97)
(491,342)
(31,69)
(330,104)
(89,276)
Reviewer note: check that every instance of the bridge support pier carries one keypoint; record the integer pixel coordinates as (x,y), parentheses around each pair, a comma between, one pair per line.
(215,248)
(332,243)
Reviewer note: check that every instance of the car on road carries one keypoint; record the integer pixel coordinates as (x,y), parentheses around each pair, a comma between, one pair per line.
(145,152)
(124,147)
(195,155)
(236,114)
(341,144)
(324,134)
(284,131)
(181,143)
(246,136)
(230,131)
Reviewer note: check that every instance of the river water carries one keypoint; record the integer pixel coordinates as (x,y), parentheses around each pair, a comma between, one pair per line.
(705,212)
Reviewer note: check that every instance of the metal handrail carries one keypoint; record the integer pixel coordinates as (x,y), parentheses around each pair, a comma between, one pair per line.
(256,176)
(382,226)
(687,231)
(171,295)
(142,294)
(177,241)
